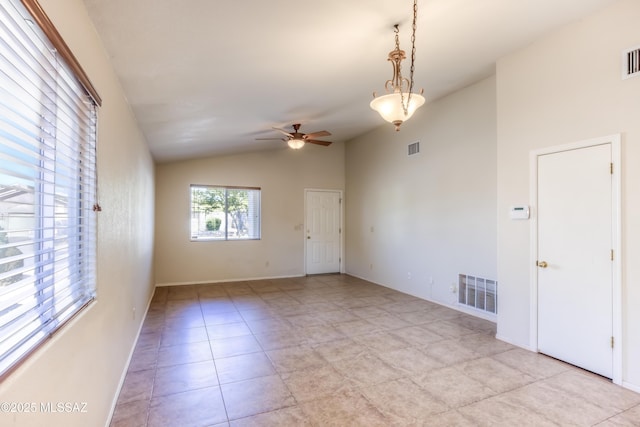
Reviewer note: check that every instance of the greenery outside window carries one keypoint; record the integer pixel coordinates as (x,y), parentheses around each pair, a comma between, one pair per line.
(225,213)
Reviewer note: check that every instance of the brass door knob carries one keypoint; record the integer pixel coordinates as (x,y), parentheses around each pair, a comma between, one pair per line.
(542,264)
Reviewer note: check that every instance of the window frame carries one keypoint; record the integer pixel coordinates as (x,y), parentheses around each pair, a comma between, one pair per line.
(257,222)
(55,159)
(46,26)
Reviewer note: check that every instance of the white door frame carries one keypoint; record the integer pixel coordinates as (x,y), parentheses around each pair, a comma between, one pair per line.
(614,140)
(342,233)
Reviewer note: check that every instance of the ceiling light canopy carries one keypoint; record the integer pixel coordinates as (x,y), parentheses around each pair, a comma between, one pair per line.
(399,104)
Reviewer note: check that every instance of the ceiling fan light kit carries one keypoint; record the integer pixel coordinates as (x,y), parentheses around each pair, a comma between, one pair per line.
(296,144)
(297,140)
(399,104)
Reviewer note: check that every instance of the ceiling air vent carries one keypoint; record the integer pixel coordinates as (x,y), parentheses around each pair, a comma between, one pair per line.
(631,62)
(414,148)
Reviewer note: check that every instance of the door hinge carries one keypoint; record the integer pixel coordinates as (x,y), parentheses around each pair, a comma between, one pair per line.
(611,168)
(339,230)
(612,342)
(611,254)
(340,201)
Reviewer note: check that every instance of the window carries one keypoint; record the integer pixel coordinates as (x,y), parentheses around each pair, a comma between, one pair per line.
(225,213)
(47,185)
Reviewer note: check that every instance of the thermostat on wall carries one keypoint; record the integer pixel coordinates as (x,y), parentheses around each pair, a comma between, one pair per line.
(519,212)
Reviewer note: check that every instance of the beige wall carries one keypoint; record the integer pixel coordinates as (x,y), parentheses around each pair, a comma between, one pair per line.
(565,88)
(85,361)
(431,215)
(282,174)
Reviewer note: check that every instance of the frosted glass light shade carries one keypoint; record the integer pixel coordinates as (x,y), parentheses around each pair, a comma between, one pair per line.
(390,106)
(296,144)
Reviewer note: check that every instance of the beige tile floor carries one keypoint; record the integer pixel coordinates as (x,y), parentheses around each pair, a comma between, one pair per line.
(338,351)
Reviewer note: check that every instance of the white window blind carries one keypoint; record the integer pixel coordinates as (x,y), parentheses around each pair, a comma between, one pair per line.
(47,188)
(225,213)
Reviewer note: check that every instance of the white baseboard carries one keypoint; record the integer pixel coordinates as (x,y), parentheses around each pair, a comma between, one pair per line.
(205,282)
(517,344)
(632,387)
(470,311)
(126,366)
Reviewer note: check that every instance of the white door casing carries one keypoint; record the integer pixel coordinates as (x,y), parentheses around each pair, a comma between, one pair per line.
(575,235)
(323,231)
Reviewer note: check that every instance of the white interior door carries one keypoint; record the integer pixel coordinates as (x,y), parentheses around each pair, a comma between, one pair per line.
(575,281)
(323,231)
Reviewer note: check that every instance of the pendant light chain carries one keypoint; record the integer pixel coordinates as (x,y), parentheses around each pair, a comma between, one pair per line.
(405,107)
(396,30)
(413,45)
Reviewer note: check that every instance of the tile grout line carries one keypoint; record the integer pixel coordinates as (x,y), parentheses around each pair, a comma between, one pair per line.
(328,297)
(213,359)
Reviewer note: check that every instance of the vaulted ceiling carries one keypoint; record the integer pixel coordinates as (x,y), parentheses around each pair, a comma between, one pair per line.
(208,77)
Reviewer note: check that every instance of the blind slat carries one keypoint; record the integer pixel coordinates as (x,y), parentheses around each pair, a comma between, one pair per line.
(47,188)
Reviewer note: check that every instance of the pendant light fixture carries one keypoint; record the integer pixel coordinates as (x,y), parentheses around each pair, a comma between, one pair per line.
(399,104)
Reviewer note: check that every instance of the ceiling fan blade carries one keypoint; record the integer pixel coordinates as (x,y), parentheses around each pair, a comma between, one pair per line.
(317,134)
(315,141)
(271,139)
(283,131)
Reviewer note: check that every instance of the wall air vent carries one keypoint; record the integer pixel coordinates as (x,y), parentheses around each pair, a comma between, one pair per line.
(414,148)
(631,62)
(478,293)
